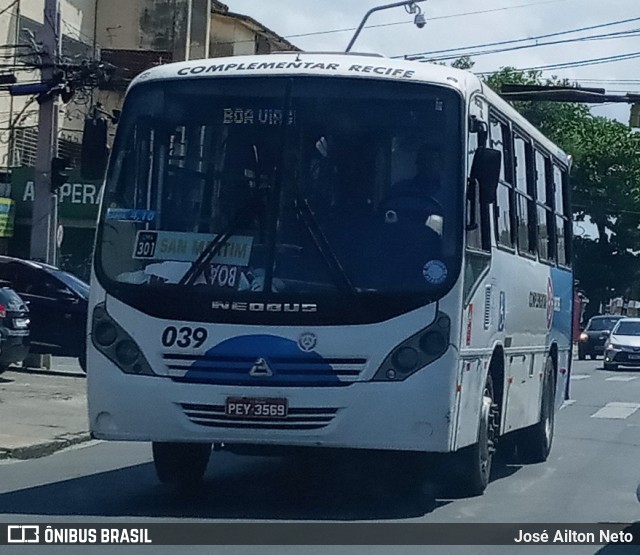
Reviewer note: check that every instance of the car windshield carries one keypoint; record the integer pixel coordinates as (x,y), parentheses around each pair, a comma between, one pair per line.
(357,188)
(602,324)
(627,328)
(74,283)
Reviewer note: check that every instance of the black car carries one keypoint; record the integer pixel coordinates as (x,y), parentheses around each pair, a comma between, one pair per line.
(58,304)
(595,335)
(14,327)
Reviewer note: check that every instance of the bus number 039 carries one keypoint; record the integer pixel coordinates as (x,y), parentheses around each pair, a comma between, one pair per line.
(184,337)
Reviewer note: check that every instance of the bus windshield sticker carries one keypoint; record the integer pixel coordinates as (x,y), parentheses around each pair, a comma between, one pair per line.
(435,271)
(222,275)
(131,215)
(186,247)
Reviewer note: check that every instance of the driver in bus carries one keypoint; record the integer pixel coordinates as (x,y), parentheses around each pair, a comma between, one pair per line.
(415,197)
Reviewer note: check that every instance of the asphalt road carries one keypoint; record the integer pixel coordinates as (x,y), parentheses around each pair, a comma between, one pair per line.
(591,476)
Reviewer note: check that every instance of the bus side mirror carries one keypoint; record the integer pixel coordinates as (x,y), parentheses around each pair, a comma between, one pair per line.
(486,170)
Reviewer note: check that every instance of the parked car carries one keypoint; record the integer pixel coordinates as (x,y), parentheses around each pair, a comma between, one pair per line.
(14,327)
(58,304)
(595,335)
(623,346)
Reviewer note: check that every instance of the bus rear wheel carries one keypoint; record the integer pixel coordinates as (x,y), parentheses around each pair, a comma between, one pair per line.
(181,465)
(534,443)
(472,465)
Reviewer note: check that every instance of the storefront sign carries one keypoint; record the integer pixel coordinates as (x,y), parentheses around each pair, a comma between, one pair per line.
(78,198)
(7,217)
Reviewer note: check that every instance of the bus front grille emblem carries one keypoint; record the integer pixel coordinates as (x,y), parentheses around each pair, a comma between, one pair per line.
(307,341)
(260,369)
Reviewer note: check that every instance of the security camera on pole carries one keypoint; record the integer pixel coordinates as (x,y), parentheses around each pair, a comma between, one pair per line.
(411,6)
(44,217)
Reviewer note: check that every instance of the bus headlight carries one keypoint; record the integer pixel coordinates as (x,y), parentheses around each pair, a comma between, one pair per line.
(405,358)
(127,352)
(433,342)
(416,352)
(116,344)
(105,334)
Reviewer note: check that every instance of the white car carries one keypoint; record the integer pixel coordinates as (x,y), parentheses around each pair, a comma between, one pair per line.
(623,346)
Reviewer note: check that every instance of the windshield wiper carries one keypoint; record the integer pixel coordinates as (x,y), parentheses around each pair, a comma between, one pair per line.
(215,245)
(340,277)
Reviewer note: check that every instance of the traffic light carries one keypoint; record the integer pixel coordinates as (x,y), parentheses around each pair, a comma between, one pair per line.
(95,153)
(59,173)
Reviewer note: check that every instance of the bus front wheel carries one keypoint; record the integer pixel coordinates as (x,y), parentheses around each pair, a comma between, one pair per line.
(181,464)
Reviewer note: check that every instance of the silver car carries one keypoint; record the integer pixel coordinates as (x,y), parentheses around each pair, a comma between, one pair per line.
(623,346)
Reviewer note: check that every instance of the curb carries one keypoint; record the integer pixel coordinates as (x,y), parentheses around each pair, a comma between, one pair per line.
(45,448)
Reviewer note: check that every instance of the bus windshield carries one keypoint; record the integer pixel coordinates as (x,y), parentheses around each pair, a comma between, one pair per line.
(281,186)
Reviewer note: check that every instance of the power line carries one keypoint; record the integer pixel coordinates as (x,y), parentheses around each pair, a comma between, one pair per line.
(80,33)
(513,41)
(504,8)
(575,63)
(9,7)
(587,62)
(628,34)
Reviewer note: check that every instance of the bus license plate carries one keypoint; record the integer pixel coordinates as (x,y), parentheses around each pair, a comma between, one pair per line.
(250,407)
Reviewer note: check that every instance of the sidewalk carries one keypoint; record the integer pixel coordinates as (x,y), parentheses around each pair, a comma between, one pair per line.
(42,411)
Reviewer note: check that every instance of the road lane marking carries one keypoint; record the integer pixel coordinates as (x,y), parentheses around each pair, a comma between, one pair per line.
(567,404)
(616,410)
(580,376)
(621,379)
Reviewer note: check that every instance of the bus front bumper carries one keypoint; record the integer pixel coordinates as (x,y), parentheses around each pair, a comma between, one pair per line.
(413,415)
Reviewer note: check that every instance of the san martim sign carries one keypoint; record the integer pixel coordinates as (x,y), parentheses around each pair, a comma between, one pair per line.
(78,198)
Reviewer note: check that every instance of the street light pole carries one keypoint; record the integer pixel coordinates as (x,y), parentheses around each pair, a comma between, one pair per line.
(45,203)
(413,8)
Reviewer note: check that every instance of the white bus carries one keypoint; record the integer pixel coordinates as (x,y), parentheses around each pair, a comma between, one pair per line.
(335,251)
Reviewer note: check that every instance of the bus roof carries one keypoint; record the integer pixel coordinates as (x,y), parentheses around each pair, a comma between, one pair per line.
(345,65)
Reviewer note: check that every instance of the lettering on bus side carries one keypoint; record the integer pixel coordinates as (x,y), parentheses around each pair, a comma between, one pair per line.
(537,300)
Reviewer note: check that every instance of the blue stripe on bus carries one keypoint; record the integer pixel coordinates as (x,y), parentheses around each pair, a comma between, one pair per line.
(232,360)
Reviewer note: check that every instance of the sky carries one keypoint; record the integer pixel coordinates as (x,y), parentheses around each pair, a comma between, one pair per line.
(447,28)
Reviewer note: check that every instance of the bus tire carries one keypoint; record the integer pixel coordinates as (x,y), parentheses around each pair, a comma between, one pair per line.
(472,464)
(534,444)
(181,464)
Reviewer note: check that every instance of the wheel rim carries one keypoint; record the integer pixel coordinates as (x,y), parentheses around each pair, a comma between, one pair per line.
(548,401)
(488,432)
(485,448)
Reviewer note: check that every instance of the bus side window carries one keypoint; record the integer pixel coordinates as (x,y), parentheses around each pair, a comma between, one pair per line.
(562,216)
(544,208)
(476,219)
(524,199)
(503,208)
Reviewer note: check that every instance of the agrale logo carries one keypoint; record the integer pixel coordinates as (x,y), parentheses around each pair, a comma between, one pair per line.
(260,369)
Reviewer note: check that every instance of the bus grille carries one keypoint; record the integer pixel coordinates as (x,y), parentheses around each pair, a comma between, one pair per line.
(282,371)
(302,418)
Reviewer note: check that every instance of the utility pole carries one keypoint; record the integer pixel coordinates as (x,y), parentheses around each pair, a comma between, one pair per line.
(44,218)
